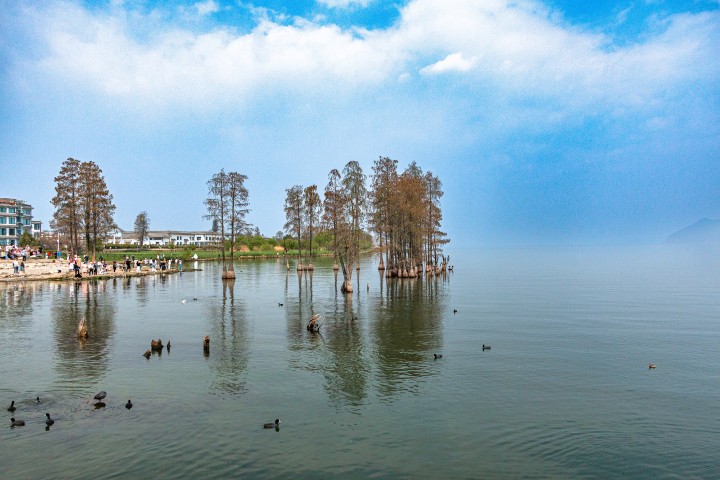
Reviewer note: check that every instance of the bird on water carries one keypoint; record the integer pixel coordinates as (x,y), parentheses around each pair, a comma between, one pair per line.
(17,423)
(275,424)
(11,408)
(486,347)
(437,355)
(128,405)
(49,421)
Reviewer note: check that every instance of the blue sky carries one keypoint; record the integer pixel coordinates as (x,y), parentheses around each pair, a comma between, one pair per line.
(547,121)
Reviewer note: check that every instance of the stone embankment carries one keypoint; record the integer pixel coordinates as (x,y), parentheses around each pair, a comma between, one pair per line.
(60,270)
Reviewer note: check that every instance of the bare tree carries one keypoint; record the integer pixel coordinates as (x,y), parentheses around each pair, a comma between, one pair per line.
(66,219)
(238,203)
(142,223)
(312,213)
(294,216)
(355,192)
(384,180)
(97,206)
(332,207)
(227,206)
(217,208)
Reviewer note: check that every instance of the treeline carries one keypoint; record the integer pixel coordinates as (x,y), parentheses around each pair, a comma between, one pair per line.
(402,209)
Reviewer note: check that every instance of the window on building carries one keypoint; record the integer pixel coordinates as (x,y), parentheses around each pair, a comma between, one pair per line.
(26,211)
(3,209)
(11,220)
(11,232)
(3,231)
(11,209)
(3,221)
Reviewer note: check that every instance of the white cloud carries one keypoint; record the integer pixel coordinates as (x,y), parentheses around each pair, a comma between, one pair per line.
(516,48)
(344,3)
(455,62)
(207,7)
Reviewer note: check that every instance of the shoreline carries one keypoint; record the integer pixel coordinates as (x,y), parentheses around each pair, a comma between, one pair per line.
(44,269)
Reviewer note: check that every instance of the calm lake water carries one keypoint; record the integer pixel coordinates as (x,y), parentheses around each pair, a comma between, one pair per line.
(565,391)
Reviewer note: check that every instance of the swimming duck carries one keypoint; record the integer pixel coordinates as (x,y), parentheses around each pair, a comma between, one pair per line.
(100,395)
(17,423)
(38,399)
(168,346)
(49,421)
(156,345)
(454,311)
(275,424)
(652,365)
(147,354)
(11,408)
(128,405)
(437,355)
(486,347)
(183,301)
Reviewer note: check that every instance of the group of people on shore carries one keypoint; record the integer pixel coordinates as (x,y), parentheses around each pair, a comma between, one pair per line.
(101,266)
(15,252)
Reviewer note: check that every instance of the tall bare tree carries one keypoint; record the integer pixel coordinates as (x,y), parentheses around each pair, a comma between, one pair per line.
(142,223)
(332,207)
(312,213)
(97,206)
(217,208)
(294,216)
(237,195)
(227,206)
(355,191)
(384,181)
(66,219)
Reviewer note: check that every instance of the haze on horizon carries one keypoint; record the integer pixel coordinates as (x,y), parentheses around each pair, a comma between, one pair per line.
(547,121)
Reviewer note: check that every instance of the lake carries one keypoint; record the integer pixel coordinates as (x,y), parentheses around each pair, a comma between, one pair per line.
(564,392)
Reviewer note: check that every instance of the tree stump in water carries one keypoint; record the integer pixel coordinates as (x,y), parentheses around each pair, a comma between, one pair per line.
(82,332)
(314,325)
(156,346)
(206,345)
(228,275)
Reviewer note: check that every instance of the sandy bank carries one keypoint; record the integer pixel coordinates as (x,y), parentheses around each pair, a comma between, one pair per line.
(41,269)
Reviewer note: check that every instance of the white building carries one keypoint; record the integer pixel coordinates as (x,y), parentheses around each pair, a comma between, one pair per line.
(15,219)
(166,237)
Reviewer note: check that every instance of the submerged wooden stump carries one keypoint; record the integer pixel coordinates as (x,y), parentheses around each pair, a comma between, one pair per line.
(82,330)
(206,345)
(228,274)
(314,323)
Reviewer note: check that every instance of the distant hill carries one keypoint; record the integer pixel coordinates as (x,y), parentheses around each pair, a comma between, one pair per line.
(702,231)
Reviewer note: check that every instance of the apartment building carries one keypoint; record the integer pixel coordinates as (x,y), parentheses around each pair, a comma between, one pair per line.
(15,218)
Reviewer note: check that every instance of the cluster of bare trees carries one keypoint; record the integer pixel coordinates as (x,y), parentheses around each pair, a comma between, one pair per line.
(227,206)
(402,209)
(405,215)
(83,204)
